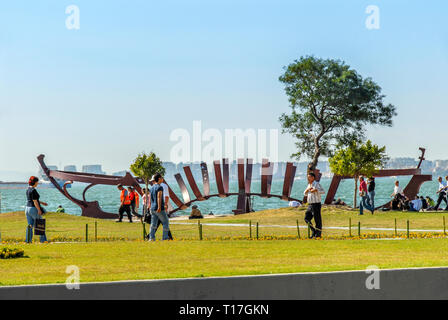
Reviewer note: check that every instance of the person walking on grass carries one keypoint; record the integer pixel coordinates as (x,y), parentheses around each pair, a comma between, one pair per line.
(135,201)
(33,209)
(364,196)
(314,193)
(371,192)
(125,204)
(158,209)
(442,194)
(146,206)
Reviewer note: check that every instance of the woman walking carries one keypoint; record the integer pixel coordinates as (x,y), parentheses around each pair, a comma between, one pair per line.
(363,204)
(371,193)
(33,210)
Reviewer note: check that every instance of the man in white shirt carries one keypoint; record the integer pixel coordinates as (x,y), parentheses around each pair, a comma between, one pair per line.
(442,194)
(314,193)
(166,195)
(399,197)
(397,189)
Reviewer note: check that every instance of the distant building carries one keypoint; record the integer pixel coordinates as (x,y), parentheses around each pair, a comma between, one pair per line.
(93,168)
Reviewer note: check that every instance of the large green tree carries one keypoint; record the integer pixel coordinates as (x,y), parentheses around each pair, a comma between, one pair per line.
(331,104)
(358,160)
(146,165)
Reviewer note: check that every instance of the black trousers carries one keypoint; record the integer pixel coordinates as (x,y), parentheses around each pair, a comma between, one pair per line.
(314,211)
(125,208)
(442,197)
(134,211)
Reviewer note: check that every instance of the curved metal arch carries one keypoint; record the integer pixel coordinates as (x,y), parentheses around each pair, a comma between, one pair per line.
(411,190)
(89,208)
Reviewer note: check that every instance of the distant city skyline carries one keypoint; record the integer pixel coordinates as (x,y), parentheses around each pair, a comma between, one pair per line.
(436,167)
(135,71)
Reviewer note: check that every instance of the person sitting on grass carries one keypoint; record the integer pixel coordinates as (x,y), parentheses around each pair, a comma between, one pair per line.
(195,213)
(60,209)
(338,202)
(424,203)
(431,203)
(415,205)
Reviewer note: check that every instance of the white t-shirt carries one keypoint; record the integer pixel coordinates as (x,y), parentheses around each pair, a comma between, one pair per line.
(166,192)
(442,185)
(397,189)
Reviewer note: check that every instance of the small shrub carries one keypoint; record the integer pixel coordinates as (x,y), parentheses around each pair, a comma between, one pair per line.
(7,253)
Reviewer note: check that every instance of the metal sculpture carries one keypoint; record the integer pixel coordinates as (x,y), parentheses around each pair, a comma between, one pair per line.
(245,169)
(411,190)
(89,208)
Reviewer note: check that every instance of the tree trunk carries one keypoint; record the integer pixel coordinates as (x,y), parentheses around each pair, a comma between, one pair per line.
(146,193)
(356,193)
(313,164)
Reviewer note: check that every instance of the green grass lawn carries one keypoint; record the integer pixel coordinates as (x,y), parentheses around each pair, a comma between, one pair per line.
(64,226)
(135,259)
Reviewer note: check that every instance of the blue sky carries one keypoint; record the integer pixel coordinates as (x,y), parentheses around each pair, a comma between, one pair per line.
(136,70)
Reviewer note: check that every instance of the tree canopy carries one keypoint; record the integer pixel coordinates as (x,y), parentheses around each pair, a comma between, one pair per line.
(331,103)
(146,165)
(358,160)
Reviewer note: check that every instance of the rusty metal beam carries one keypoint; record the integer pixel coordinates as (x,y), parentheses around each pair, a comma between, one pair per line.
(183,187)
(287,181)
(334,185)
(175,199)
(225,174)
(241,174)
(205,179)
(291,183)
(218,177)
(248,181)
(266,177)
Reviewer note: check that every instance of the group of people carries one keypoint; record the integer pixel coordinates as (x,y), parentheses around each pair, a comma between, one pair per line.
(129,202)
(419,203)
(155,206)
(367,194)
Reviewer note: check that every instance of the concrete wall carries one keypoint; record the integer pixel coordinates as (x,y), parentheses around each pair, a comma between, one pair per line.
(427,283)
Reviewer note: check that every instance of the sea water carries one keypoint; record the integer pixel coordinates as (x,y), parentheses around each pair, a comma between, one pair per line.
(109,197)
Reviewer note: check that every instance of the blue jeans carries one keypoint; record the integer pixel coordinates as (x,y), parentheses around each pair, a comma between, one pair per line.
(31,216)
(364,204)
(371,195)
(163,217)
